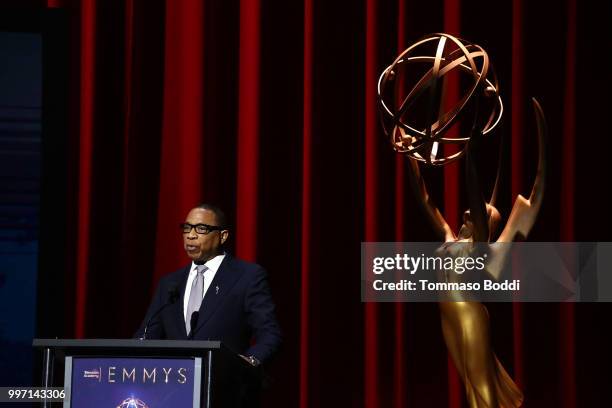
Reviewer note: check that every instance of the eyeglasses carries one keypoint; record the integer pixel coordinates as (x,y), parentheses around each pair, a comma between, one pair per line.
(199,228)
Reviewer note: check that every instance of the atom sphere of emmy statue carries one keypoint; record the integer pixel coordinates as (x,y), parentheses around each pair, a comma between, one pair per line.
(414,122)
(132,403)
(420,122)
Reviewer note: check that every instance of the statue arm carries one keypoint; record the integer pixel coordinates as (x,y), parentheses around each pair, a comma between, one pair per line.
(441,227)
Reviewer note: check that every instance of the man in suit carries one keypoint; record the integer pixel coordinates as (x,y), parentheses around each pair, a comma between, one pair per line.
(216,296)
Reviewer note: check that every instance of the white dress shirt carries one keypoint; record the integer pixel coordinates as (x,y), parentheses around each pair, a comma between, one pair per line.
(209,274)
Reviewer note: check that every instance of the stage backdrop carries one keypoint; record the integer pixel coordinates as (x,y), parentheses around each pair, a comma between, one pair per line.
(268,108)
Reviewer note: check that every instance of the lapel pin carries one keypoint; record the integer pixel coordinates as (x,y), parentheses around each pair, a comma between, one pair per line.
(216,290)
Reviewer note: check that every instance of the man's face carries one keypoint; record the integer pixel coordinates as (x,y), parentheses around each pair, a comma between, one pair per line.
(202,247)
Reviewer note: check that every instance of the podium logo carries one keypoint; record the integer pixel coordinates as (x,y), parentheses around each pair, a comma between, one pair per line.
(132,403)
(151,375)
(96,374)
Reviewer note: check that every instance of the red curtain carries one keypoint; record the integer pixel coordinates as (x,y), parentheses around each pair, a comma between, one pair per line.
(268,108)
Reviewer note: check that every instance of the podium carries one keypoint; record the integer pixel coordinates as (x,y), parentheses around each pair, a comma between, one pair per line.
(140,373)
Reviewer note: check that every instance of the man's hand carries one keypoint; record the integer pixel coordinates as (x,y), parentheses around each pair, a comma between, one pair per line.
(251,360)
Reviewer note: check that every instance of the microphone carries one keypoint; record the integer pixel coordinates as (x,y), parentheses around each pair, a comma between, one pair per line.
(192,323)
(173,295)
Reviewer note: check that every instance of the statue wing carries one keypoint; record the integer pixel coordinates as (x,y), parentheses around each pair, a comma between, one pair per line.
(525,211)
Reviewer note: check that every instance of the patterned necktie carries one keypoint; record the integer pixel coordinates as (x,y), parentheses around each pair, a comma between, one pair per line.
(195,296)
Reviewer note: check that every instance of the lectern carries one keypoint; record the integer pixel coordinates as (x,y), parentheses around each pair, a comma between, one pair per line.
(146,373)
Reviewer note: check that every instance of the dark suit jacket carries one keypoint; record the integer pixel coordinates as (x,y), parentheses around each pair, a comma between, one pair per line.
(240,310)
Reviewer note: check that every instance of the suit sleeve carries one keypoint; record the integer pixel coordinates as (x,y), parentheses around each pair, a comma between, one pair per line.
(155,328)
(261,318)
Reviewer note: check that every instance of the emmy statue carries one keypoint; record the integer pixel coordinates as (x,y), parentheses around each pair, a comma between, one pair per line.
(417,121)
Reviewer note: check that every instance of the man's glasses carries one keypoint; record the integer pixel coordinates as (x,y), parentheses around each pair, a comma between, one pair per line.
(199,228)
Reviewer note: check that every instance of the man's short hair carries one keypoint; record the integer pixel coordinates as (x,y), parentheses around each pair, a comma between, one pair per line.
(219,214)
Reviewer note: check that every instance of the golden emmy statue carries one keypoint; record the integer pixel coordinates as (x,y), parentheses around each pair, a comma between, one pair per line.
(417,122)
